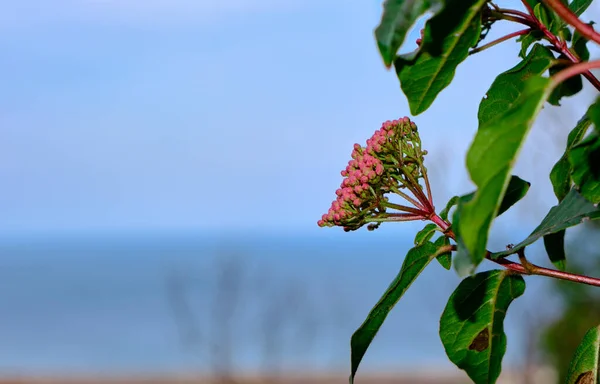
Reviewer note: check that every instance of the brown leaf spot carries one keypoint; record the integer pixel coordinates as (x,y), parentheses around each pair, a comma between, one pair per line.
(481,341)
(585,378)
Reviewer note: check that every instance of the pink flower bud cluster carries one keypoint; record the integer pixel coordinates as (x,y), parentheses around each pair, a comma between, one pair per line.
(365,177)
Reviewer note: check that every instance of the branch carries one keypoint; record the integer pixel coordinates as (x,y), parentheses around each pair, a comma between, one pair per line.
(499,40)
(525,268)
(575,70)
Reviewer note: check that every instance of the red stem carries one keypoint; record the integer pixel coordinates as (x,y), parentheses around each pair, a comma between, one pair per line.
(515,13)
(575,70)
(519,268)
(529,9)
(559,45)
(567,15)
(499,40)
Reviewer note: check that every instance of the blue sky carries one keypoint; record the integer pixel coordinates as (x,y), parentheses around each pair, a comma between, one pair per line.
(184,114)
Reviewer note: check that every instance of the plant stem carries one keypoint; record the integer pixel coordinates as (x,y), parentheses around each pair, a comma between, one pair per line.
(499,40)
(388,217)
(532,21)
(526,268)
(416,189)
(576,69)
(567,15)
(561,47)
(409,199)
(404,208)
(541,271)
(503,16)
(529,9)
(514,13)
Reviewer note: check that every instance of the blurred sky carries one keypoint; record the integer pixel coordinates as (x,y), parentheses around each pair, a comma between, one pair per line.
(186,114)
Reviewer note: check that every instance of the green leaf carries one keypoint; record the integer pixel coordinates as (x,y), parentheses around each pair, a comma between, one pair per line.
(555,247)
(516,190)
(508,86)
(579,6)
(572,210)
(415,262)
(579,45)
(560,176)
(425,234)
(451,203)
(397,19)
(569,87)
(585,363)
(489,162)
(594,114)
(445,259)
(542,14)
(585,160)
(472,324)
(447,39)
(528,39)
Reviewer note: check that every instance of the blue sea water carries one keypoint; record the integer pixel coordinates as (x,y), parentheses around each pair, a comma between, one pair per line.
(195,302)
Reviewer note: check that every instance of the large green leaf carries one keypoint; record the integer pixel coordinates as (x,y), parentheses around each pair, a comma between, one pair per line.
(586,361)
(560,176)
(508,86)
(489,162)
(398,17)
(572,210)
(415,262)
(448,37)
(472,325)
(585,160)
(579,6)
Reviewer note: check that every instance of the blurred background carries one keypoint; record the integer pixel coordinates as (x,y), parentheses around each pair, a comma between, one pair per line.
(163,164)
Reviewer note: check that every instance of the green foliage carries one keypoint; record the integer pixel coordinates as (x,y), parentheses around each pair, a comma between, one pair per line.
(552,44)
(489,161)
(472,325)
(579,6)
(555,247)
(572,210)
(560,176)
(526,41)
(448,37)
(579,45)
(585,159)
(424,235)
(397,19)
(444,258)
(451,203)
(568,88)
(509,86)
(415,262)
(585,364)
(560,336)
